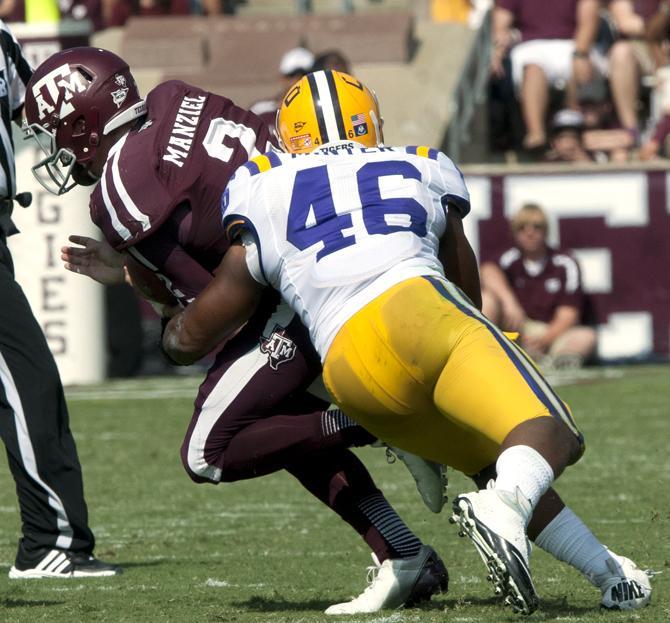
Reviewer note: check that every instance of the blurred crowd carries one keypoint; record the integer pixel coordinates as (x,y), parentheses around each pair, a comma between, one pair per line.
(293,65)
(109,13)
(581,80)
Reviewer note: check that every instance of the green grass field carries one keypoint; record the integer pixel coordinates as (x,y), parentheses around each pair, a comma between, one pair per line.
(263,550)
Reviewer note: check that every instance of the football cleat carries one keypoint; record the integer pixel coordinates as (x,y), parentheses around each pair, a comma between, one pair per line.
(628,588)
(495,522)
(58,563)
(430,478)
(398,582)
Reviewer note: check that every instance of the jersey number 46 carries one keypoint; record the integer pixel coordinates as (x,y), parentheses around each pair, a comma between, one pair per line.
(312,191)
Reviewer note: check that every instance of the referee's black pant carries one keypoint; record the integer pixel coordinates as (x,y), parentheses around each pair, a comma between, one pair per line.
(35,429)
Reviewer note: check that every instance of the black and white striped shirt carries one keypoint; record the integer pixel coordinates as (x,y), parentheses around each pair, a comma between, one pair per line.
(14,75)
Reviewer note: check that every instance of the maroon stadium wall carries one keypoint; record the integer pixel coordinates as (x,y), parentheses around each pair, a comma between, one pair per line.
(617,222)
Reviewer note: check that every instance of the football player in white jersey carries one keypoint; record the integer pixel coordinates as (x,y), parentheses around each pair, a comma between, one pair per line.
(366,243)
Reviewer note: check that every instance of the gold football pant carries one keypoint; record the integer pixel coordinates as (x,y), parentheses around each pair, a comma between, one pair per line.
(422,369)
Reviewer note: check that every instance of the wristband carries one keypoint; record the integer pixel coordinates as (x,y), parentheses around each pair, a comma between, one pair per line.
(580,54)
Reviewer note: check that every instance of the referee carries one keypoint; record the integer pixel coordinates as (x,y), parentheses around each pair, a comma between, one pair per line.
(34,423)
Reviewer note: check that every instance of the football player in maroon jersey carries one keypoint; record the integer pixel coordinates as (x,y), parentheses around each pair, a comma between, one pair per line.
(159,166)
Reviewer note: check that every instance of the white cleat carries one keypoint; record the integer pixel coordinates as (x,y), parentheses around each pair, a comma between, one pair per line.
(399,582)
(430,478)
(628,588)
(495,522)
(58,563)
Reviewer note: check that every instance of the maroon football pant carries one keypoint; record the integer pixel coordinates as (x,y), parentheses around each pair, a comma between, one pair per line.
(253,416)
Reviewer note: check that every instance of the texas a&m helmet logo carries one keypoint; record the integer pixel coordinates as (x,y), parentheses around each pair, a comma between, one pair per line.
(57,88)
(278,347)
(119,96)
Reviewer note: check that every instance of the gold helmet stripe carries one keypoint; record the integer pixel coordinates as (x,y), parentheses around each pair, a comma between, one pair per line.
(318,108)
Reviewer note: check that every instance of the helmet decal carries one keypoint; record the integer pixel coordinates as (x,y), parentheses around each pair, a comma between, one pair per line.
(57,88)
(119,96)
(359,124)
(301,142)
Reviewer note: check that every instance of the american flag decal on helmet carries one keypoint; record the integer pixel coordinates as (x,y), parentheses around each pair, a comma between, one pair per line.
(359,123)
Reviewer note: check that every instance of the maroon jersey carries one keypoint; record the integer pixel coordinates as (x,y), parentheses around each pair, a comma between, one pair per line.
(557,283)
(662,130)
(543,20)
(161,187)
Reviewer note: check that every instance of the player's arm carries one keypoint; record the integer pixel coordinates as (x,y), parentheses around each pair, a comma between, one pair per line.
(148,285)
(223,306)
(458,258)
(99,261)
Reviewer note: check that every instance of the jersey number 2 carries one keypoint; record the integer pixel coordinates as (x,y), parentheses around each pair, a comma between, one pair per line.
(312,217)
(218,129)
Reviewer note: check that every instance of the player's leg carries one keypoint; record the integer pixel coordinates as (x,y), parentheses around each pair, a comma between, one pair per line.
(555,527)
(516,408)
(448,357)
(56,539)
(252,413)
(252,419)
(408,571)
(557,530)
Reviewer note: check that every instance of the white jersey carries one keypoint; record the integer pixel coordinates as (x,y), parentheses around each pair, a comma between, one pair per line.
(334,229)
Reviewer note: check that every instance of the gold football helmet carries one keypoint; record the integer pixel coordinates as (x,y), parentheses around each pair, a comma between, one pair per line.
(327,106)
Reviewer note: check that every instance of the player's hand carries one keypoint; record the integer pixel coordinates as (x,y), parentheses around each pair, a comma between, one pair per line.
(95,259)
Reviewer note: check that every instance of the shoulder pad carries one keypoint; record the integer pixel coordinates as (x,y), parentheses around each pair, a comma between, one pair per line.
(263,163)
(423,151)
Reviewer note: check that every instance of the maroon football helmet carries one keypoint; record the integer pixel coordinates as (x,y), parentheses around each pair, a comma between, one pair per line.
(73,99)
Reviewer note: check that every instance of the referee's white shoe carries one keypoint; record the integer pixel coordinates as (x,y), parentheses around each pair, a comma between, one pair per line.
(59,563)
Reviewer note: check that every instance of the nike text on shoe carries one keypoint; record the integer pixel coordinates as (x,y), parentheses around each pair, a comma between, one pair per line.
(629,589)
(57,563)
(399,582)
(430,478)
(494,521)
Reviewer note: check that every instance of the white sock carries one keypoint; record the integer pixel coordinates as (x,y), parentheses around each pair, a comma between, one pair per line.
(524,468)
(567,538)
